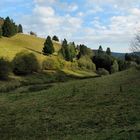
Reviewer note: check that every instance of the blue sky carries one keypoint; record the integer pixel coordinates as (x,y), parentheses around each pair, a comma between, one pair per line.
(110,23)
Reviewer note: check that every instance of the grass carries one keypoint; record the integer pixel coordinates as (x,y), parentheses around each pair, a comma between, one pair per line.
(20,42)
(92,108)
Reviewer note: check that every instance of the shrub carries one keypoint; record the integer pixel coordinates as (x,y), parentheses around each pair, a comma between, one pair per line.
(86,63)
(102,71)
(114,67)
(4,68)
(122,64)
(25,63)
(51,64)
(131,64)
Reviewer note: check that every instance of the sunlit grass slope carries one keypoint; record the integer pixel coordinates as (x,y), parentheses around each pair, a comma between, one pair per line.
(10,46)
(105,108)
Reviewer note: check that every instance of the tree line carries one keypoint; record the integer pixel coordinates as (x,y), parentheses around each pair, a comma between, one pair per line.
(9,28)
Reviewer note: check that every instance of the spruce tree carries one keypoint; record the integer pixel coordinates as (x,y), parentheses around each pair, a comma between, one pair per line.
(108,51)
(48,46)
(100,50)
(65,50)
(55,38)
(72,49)
(20,29)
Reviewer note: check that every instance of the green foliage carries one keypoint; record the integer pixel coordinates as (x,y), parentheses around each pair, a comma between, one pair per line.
(48,46)
(131,64)
(86,63)
(122,64)
(115,67)
(102,71)
(65,51)
(100,50)
(55,38)
(4,68)
(20,29)
(25,63)
(84,51)
(51,64)
(72,50)
(9,28)
(132,57)
(103,61)
(108,51)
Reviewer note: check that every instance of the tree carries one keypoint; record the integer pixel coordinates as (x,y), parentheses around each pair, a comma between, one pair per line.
(108,51)
(115,67)
(55,38)
(135,44)
(100,50)
(33,33)
(65,50)
(20,29)
(25,63)
(48,46)
(72,49)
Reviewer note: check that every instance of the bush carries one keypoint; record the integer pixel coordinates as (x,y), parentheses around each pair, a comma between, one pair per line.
(86,63)
(51,64)
(122,64)
(131,64)
(102,71)
(25,63)
(115,67)
(4,68)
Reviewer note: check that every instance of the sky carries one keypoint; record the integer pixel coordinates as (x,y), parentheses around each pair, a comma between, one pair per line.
(110,23)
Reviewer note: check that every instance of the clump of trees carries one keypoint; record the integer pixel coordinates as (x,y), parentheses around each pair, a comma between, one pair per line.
(25,63)
(68,50)
(103,59)
(8,27)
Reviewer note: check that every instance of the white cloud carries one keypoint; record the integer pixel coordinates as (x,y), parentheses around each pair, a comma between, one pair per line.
(44,11)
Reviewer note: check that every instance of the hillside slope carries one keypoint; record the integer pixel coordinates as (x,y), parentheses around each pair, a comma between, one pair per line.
(98,109)
(10,46)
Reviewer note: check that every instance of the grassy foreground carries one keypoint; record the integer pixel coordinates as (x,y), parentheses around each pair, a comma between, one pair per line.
(105,108)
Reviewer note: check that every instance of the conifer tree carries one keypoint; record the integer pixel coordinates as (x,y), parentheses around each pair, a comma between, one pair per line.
(48,46)
(108,51)
(66,51)
(100,50)
(55,38)
(20,29)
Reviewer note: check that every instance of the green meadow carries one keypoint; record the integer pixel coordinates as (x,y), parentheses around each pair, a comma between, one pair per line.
(70,108)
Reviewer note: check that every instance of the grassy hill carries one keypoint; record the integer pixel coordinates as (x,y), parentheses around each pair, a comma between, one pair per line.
(105,108)
(10,46)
